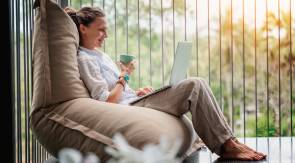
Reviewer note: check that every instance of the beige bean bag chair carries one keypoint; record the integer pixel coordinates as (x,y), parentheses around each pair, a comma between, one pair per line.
(64,115)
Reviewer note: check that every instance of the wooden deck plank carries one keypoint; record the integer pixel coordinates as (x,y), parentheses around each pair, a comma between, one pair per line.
(277,149)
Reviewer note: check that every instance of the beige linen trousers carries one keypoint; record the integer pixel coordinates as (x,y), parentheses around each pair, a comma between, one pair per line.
(194,95)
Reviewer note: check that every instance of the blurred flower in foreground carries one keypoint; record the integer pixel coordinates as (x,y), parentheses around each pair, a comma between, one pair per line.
(69,155)
(164,152)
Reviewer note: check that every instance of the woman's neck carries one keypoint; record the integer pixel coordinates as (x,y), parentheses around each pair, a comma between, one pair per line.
(88,47)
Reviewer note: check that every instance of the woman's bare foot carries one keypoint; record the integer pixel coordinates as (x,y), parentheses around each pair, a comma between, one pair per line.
(232,150)
(261,154)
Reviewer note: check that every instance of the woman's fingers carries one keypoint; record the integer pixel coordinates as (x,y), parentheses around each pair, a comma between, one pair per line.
(140,92)
(122,67)
(151,89)
(148,89)
(129,68)
(144,91)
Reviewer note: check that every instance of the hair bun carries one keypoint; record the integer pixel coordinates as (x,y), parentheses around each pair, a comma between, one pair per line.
(73,14)
(70,11)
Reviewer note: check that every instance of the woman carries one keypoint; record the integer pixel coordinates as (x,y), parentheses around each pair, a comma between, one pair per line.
(106,83)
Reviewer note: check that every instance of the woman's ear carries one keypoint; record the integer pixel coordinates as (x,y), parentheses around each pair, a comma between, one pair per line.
(82,28)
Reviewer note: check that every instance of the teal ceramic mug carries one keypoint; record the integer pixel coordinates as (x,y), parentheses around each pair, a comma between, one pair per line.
(126,58)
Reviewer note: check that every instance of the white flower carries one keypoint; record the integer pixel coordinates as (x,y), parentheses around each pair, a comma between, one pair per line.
(69,155)
(91,158)
(151,153)
(164,152)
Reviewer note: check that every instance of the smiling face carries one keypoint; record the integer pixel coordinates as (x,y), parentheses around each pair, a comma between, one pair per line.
(94,34)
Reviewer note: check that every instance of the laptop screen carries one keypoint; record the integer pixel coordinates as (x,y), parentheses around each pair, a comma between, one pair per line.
(181,62)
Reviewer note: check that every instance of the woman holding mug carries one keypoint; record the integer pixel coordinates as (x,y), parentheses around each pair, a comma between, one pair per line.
(106,83)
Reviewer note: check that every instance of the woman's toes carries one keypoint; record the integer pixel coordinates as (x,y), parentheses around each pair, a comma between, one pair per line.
(259,153)
(259,157)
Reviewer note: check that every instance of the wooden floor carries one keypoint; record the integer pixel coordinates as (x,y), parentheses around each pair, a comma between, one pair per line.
(278,150)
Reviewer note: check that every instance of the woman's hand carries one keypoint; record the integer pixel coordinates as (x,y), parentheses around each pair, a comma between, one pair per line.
(144,91)
(129,68)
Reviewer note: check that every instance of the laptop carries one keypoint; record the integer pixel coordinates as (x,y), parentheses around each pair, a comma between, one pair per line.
(179,68)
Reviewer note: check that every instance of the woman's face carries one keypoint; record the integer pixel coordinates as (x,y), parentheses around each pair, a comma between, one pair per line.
(94,34)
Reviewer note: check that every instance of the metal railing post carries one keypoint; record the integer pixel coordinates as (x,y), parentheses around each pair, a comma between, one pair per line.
(63,3)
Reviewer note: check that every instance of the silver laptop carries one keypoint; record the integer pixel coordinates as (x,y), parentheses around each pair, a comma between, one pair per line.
(179,68)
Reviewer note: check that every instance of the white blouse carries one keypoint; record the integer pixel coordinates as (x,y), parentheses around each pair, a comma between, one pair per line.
(100,74)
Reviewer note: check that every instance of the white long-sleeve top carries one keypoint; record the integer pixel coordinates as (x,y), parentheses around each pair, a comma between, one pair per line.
(100,74)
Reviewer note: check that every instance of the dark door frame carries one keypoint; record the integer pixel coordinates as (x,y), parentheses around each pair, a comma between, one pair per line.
(6,107)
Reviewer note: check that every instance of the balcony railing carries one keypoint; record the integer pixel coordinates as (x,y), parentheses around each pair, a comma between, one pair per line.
(244,49)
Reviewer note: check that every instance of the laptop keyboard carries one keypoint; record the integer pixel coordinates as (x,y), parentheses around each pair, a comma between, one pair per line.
(162,88)
(154,92)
